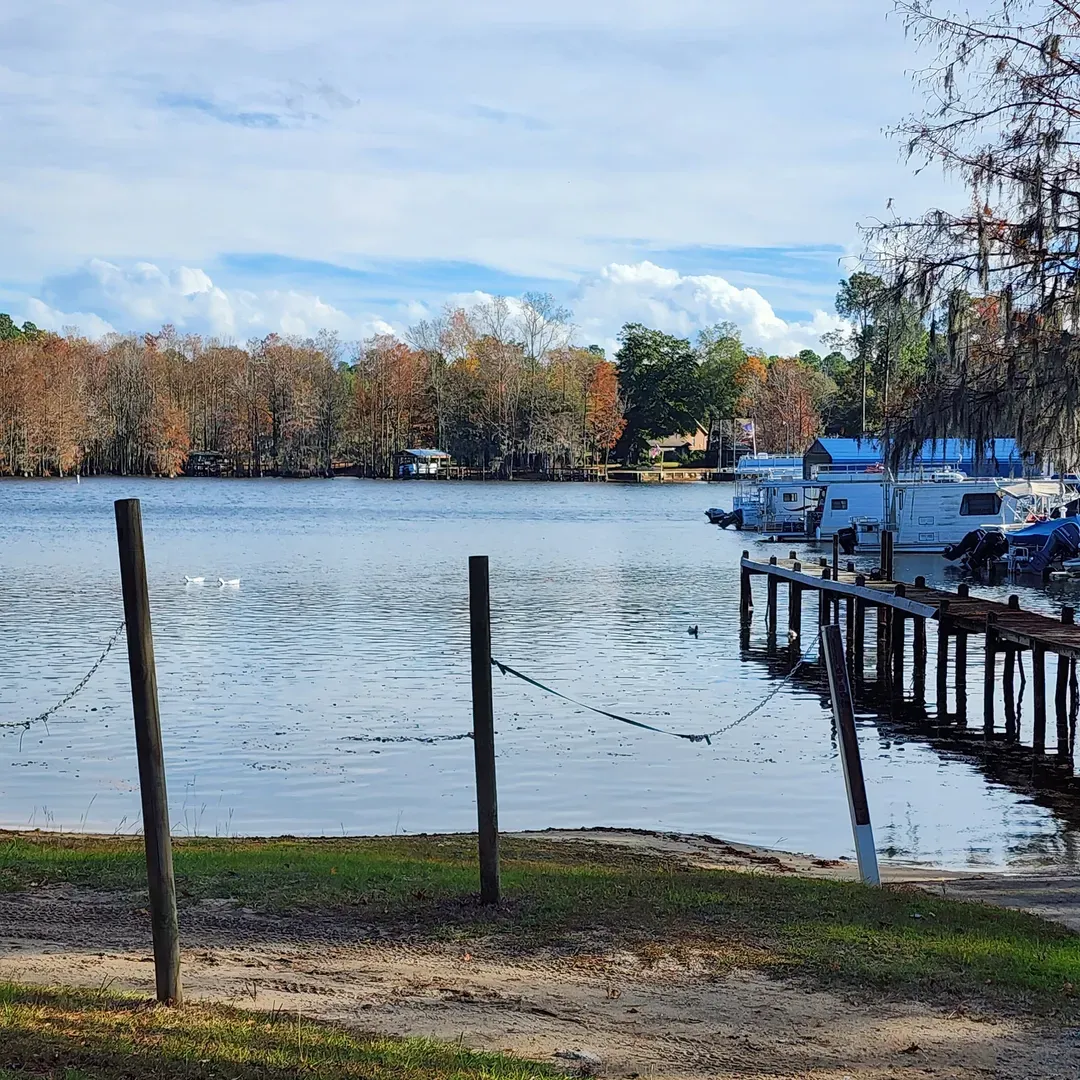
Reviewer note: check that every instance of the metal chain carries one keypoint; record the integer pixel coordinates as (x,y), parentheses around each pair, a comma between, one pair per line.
(43,718)
(407,738)
(806,656)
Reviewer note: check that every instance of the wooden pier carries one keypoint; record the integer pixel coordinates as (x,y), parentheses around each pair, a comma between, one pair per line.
(1006,629)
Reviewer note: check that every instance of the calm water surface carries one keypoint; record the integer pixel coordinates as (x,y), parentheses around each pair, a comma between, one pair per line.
(351,626)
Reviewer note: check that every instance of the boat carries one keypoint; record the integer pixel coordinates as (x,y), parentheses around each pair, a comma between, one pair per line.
(751,472)
(1035,549)
(936,516)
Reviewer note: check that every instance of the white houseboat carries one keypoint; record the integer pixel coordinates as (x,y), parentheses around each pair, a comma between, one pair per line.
(930,515)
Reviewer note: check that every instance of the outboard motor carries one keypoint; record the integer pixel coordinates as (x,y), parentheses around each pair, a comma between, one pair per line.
(988,550)
(848,538)
(958,550)
(726,518)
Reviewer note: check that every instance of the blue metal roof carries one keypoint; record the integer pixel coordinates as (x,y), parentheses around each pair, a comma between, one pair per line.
(427,453)
(849,451)
(961,452)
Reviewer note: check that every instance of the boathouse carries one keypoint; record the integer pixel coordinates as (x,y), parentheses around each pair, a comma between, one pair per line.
(421,463)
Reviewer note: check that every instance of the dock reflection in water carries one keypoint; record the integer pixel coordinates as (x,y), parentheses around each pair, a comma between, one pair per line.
(350,625)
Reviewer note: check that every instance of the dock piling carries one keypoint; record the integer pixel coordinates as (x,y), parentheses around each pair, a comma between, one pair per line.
(746,598)
(858,636)
(795,611)
(1038,733)
(942,667)
(1061,696)
(896,639)
(990,643)
(770,603)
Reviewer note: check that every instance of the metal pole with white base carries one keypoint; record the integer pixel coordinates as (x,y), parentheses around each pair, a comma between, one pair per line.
(840,691)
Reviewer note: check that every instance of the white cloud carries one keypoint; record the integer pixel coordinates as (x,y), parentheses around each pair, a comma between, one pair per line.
(683,304)
(144,297)
(103,297)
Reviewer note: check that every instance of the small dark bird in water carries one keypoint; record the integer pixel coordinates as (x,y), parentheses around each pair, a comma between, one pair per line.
(692,631)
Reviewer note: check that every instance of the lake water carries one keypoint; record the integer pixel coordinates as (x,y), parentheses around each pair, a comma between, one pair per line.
(350,626)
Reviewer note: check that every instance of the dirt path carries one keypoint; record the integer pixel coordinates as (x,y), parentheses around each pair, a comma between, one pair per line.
(635,1016)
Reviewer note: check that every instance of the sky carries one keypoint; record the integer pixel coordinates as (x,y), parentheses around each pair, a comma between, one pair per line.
(237,167)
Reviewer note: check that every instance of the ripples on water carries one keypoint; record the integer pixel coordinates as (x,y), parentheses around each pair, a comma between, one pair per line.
(352,620)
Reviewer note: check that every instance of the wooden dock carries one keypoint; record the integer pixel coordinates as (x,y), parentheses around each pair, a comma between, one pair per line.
(1007,631)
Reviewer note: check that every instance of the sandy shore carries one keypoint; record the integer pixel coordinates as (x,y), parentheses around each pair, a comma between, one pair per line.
(615,1013)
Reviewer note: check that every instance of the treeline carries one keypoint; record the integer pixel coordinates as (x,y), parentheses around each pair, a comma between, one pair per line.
(499,386)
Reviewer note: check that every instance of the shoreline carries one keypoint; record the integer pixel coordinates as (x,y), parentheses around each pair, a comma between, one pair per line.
(1052,895)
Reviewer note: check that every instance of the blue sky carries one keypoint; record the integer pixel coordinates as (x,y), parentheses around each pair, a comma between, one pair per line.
(259,165)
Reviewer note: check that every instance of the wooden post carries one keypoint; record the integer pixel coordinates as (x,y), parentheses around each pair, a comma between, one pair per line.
(918,648)
(746,598)
(1008,683)
(990,645)
(795,611)
(897,642)
(843,712)
(770,604)
(836,556)
(887,554)
(793,556)
(858,636)
(1061,697)
(155,804)
(824,601)
(960,668)
(942,672)
(1038,733)
(487,803)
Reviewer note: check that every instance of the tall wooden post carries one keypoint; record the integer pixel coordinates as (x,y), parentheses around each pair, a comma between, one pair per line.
(897,642)
(990,646)
(832,650)
(824,601)
(1061,697)
(858,650)
(155,803)
(1038,731)
(942,666)
(770,604)
(1008,683)
(887,563)
(487,803)
(746,597)
(961,662)
(836,556)
(795,611)
(918,661)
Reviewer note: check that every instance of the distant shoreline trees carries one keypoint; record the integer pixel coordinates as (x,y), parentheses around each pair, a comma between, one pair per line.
(500,386)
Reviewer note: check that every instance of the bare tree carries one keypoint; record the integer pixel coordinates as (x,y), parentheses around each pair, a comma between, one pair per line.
(1000,281)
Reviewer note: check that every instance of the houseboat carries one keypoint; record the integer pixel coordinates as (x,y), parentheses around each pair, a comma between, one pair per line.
(931,516)
(751,473)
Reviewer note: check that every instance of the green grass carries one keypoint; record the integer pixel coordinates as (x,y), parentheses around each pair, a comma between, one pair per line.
(53,1034)
(589,897)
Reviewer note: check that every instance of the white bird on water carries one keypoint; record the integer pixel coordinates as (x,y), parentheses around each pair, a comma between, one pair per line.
(231,583)
(194,580)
